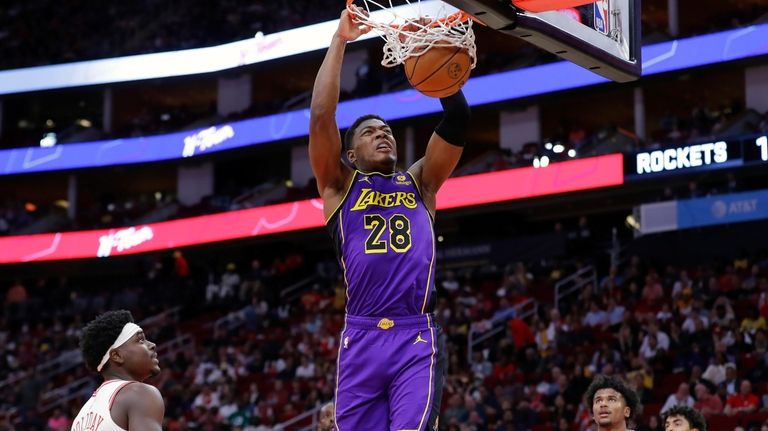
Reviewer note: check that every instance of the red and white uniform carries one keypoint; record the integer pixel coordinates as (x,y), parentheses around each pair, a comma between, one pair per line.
(95,414)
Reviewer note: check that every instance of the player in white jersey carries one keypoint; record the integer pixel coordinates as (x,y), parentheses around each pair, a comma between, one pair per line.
(116,348)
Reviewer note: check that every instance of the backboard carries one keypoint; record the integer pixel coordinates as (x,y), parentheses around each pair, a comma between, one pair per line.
(602,36)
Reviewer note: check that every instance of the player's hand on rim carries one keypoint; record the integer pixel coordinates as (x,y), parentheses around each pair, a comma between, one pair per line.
(350,27)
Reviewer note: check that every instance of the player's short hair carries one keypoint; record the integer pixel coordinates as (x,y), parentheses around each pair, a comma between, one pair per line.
(694,418)
(618,385)
(100,333)
(350,134)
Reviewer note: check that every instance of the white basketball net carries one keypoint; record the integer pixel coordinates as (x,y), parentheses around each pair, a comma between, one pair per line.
(410,30)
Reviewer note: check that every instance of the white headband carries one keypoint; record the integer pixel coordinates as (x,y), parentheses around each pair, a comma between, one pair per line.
(129,330)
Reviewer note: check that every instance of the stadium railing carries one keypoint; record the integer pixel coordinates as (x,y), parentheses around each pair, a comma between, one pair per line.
(307,420)
(575,283)
(480,333)
(63,394)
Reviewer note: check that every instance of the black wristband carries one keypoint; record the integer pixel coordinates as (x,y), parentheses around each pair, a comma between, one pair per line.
(456,113)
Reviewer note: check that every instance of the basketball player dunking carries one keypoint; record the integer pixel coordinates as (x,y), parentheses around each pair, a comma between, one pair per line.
(391,358)
(116,348)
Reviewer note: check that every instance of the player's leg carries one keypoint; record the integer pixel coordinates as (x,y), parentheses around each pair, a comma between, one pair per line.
(416,391)
(361,398)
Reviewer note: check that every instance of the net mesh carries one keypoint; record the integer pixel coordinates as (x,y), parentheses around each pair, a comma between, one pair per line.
(411,29)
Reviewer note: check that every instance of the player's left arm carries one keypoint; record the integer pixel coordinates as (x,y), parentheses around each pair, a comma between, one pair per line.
(444,148)
(145,408)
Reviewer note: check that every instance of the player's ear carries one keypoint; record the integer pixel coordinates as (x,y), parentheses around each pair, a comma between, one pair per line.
(116,357)
(351,156)
(627,411)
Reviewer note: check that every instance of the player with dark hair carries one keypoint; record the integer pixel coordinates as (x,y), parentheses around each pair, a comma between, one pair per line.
(613,403)
(683,418)
(116,348)
(391,356)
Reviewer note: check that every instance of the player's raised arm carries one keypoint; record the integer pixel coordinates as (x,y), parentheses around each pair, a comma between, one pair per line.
(324,137)
(444,148)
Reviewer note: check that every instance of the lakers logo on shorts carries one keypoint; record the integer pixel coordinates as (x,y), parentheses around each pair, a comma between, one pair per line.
(385,323)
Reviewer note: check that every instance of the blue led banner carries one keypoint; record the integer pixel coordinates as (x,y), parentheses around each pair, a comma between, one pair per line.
(664,57)
(722,209)
(699,212)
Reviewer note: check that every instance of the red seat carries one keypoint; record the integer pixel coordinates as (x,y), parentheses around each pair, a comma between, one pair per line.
(544,416)
(651,409)
(755,418)
(722,422)
(668,385)
(747,363)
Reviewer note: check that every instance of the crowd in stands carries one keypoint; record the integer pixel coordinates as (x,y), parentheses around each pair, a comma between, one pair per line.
(694,336)
(262,354)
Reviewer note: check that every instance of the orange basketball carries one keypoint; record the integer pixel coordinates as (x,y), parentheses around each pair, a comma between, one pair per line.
(439,72)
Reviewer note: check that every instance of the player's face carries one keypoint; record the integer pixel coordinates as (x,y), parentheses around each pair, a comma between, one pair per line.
(139,357)
(609,408)
(373,148)
(677,423)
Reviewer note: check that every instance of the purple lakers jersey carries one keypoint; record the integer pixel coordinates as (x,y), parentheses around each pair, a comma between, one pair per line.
(385,242)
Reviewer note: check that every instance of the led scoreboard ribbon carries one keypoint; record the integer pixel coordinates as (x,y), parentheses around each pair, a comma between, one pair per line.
(487,188)
(699,156)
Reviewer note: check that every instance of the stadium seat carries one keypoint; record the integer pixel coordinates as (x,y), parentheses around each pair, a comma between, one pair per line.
(753,419)
(747,363)
(722,422)
(651,409)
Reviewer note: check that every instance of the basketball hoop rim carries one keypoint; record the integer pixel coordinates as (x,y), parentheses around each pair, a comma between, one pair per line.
(409,36)
(451,20)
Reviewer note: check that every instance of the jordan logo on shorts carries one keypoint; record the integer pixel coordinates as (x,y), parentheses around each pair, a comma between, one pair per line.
(419,339)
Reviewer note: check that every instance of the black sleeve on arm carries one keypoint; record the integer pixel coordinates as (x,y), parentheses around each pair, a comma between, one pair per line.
(456,113)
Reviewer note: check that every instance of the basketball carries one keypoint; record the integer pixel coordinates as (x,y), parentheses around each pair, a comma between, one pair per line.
(439,72)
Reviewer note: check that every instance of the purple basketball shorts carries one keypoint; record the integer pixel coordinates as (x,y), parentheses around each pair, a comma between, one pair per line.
(390,374)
